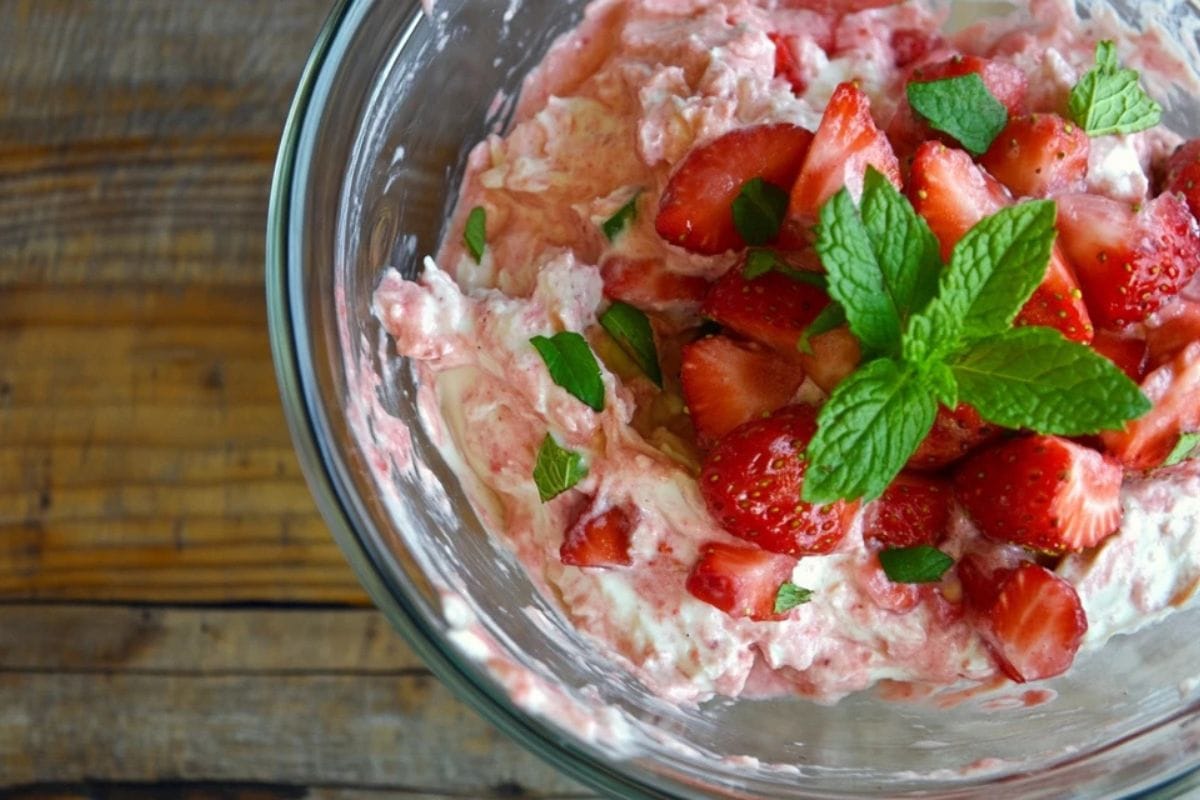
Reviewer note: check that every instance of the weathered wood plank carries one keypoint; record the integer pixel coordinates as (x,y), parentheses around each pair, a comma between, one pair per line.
(78,638)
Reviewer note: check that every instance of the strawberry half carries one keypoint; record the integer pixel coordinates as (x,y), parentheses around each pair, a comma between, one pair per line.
(1035,623)
(953,193)
(751,484)
(773,308)
(1042,492)
(726,383)
(1128,263)
(1183,174)
(913,510)
(695,211)
(741,581)
(598,539)
(1174,389)
(1038,155)
(648,284)
(846,142)
(1127,352)
(954,434)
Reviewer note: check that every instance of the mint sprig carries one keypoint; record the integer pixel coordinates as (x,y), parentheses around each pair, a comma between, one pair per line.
(556,469)
(961,106)
(789,596)
(630,327)
(758,211)
(948,344)
(475,233)
(572,365)
(1109,99)
(621,218)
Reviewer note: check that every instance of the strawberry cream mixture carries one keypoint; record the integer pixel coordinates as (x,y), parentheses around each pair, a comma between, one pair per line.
(681,542)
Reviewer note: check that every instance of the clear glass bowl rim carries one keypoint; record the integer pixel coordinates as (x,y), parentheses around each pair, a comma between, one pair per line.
(291,353)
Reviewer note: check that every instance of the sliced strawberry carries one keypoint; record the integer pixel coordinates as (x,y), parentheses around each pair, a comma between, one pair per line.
(1127,352)
(648,284)
(786,66)
(1128,263)
(1174,389)
(598,539)
(913,510)
(1007,83)
(1038,155)
(912,44)
(773,308)
(1183,174)
(741,581)
(846,142)
(953,193)
(1041,492)
(980,585)
(1173,328)
(954,434)
(1035,624)
(835,354)
(751,484)
(695,210)
(726,383)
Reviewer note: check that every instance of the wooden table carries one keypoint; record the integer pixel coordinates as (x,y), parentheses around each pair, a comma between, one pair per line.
(175,619)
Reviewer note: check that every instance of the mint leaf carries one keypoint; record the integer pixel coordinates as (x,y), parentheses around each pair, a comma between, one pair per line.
(831,316)
(905,248)
(992,272)
(855,277)
(920,564)
(631,330)
(1032,377)
(962,107)
(789,596)
(1109,99)
(556,469)
(758,211)
(1188,447)
(614,225)
(475,233)
(941,382)
(572,366)
(866,431)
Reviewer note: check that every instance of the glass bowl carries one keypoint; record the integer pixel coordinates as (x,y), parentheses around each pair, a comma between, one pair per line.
(389,104)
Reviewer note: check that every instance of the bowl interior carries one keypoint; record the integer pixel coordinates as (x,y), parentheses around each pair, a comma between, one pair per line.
(397,100)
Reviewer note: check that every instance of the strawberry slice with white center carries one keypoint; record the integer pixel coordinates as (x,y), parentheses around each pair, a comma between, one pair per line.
(1172,329)
(1128,262)
(741,581)
(1174,389)
(599,538)
(727,383)
(1031,619)
(846,142)
(1038,155)
(953,193)
(1042,492)
(772,308)
(649,285)
(695,211)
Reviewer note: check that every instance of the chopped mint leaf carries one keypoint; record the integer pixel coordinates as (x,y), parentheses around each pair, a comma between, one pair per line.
(1032,377)
(992,272)
(758,211)
(962,107)
(1109,99)
(557,469)
(789,596)
(760,261)
(831,316)
(1188,447)
(572,366)
(475,234)
(855,277)
(614,225)
(905,248)
(866,431)
(630,328)
(920,564)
